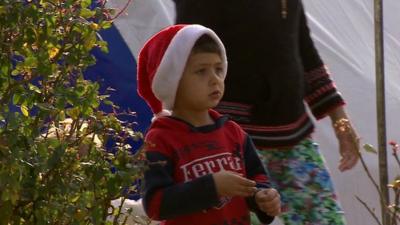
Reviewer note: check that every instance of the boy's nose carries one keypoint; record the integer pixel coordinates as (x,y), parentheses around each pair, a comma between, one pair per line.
(215,78)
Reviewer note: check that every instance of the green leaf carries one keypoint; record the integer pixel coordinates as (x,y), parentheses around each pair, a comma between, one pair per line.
(14,197)
(16,98)
(5,195)
(86,3)
(24,110)
(16,72)
(2,10)
(87,13)
(61,115)
(60,103)
(106,24)
(103,46)
(108,102)
(80,90)
(31,62)
(34,88)
(42,150)
(5,69)
(87,111)
(74,199)
(6,210)
(90,41)
(53,142)
(369,148)
(73,113)
(55,158)
(45,106)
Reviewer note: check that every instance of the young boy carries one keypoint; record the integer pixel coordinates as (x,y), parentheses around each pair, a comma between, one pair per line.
(203,168)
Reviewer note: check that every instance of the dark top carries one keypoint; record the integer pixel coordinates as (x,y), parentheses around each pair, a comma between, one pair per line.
(273,67)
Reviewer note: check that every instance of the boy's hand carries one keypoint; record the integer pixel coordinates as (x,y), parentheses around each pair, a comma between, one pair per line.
(269,201)
(230,184)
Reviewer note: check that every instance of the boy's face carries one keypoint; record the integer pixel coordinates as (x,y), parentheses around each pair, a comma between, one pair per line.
(202,84)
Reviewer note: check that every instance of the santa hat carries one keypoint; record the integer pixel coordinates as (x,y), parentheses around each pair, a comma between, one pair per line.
(162,61)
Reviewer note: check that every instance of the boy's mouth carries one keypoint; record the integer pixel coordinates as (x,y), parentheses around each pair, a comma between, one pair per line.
(215,94)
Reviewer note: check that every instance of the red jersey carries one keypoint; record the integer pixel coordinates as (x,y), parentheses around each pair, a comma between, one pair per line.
(179,187)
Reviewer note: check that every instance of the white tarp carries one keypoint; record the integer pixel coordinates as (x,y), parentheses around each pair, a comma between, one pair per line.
(344,33)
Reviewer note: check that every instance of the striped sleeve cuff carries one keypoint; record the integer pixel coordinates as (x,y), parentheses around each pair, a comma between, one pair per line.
(321,93)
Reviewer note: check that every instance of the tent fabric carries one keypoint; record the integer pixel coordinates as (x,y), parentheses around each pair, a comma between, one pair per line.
(117,69)
(344,34)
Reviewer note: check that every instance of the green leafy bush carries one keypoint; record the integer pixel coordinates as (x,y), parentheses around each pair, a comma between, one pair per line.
(54,168)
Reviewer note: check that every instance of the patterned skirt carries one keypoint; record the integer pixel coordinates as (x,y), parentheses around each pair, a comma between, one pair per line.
(305,186)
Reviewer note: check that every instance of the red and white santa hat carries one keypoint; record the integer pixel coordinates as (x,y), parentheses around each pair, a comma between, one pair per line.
(161,63)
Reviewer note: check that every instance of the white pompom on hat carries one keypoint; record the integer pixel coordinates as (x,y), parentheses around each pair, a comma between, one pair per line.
(162,61)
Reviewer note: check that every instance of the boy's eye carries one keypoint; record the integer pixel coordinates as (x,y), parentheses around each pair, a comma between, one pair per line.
(201,71)
(219,71)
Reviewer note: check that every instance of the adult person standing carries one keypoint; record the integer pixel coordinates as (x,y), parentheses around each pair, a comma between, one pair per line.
(274,68)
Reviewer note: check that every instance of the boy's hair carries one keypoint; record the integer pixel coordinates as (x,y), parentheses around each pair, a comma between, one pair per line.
(206,44)
(163,58)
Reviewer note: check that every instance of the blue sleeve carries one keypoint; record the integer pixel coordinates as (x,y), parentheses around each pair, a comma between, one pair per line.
(256,171)
(164,199)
